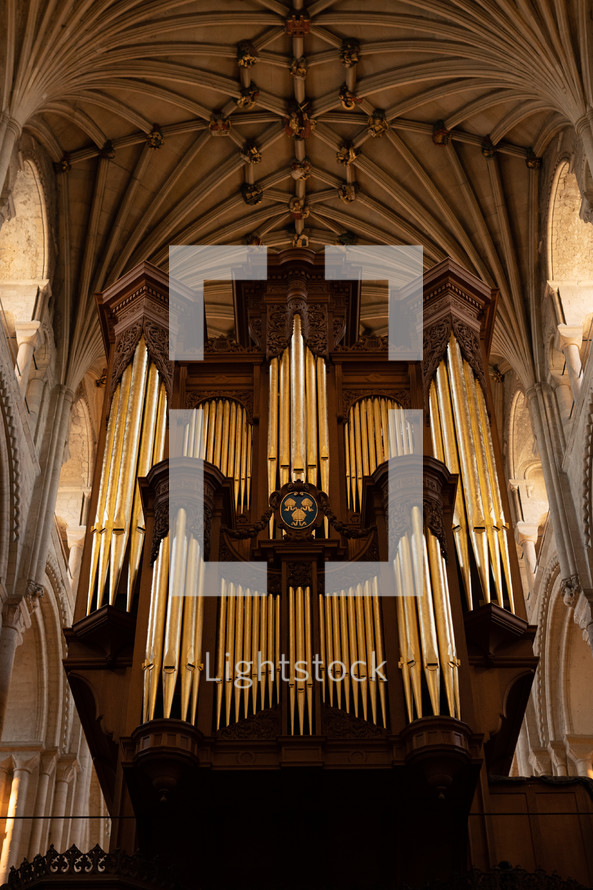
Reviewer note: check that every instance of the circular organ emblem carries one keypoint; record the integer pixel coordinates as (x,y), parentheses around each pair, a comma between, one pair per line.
(298,510)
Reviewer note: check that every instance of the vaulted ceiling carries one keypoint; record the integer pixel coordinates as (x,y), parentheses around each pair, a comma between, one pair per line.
(388,121)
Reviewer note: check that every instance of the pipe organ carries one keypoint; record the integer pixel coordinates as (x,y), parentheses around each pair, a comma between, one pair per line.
(462,439)
(295,422)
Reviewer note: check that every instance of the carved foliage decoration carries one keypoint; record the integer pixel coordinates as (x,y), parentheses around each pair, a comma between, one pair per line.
(350,396)
(157,344)
(263,725)
(339,724)
(195,398)
(436,340)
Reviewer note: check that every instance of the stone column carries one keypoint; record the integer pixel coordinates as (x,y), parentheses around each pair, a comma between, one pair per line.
(46,767)
(580,748)
(526,537)
(27,336)
(563,393)
(76,544)
(571,338)
(15,843)
(15,618)
(558,758)
(64,773)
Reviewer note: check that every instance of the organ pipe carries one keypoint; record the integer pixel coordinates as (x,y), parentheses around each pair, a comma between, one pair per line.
(135,441)
(375,431)
(462,439)
(298,431)
(219,430)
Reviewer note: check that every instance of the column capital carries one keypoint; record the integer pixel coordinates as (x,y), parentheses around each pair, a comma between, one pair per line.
(25,761)
(570,335)
(15,616)
(67,765)
(27,332)
(526,531)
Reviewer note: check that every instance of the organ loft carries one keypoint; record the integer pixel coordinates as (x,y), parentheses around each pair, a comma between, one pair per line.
(384,760)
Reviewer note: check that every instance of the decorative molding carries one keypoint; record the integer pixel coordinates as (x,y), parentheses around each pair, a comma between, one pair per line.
(79,865)
(350,396)
(339,724)
(196,398)
(265,724)
(588,478)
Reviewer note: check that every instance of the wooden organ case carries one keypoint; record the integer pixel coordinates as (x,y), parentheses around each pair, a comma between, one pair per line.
(377,778)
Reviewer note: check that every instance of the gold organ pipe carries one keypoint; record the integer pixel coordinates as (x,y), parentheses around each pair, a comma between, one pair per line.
(190,615)
(379,444)
(114,469)
(443,410)
(300,656)
(249,653)
(311,414)
(370,647)
(274,644)
(198,640)
(323,427)
(309,657)
(358,452)
(322,644)
(284,442)
(347,457)
(216,459)
(428,635)
(501,521)
(245,467)
(239,621)
(407,657)
(338,654)
(379,645)
(468,467)
(364,436)
(291,653)
(255,648)
(444,622)
(212,412)
(126,481)
(345,648)
(224,456)
(248,470)
(297,402)
(353,464)
(329,621)
(264,646)
(100,513)
(385,428)
(351,621)
(484,482)
(410,622)
(273,433)
(174,612)
(361,649)
(230,649)
(231,446)
(220,661)
(156,624)
(145,461)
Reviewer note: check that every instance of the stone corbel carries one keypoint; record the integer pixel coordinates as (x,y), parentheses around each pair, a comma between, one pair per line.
(570,339)
(580,749)
(27,337)
(570,589)
(526,536)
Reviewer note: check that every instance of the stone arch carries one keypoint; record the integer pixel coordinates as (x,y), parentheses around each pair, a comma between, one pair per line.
(569,248)
(24,243)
